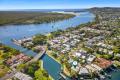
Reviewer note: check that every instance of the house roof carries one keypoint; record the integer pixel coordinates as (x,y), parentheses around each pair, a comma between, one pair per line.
(22,76)
(83,70)
(91,58)
(103,63)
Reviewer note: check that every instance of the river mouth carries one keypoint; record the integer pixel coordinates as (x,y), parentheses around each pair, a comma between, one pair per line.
(9,32)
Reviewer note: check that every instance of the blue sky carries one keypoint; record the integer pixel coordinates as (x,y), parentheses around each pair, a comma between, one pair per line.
(56,4)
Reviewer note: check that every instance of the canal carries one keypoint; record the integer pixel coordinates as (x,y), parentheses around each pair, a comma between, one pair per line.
(20,31)
(115,75)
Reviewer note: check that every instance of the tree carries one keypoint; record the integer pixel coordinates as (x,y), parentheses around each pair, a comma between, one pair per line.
(50,36)
(11,50)
(40,39)
(56,33)
(54,55)
(107,56)
(6,55)
(31,70)
(21,66)
(116,50)
(41,75)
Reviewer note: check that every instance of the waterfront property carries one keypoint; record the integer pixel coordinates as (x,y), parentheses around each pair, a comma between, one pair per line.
(82,52)
(18,59)
(20,31)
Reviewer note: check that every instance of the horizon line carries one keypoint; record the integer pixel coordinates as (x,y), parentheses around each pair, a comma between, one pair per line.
(55,9)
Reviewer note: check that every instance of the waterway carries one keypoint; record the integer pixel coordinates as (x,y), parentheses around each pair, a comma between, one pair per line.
(20,31)
(115,75)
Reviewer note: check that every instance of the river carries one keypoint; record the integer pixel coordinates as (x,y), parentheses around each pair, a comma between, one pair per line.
(20,31)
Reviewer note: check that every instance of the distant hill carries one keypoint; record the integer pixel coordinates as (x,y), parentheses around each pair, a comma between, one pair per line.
(105,9)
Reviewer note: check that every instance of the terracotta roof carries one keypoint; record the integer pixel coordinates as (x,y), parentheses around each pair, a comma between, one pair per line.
(103,63)
(20,57)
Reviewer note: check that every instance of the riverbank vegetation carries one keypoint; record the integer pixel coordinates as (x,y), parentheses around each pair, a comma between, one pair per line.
(40,39)
(22,17)
(5,53)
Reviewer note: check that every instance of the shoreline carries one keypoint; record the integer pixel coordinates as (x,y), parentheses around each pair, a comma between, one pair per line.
(44,69)
(49,54)
(53,58)
(63,12)
(62,65)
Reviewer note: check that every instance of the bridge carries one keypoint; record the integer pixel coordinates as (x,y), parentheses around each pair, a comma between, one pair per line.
(38,56)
